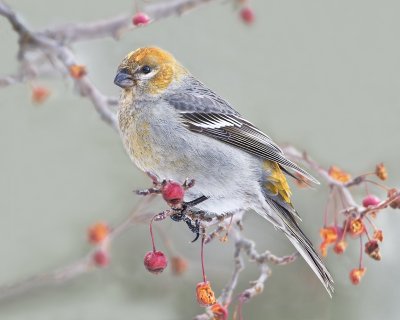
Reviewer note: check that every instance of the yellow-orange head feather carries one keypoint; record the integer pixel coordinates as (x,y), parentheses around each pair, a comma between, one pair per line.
(150,69)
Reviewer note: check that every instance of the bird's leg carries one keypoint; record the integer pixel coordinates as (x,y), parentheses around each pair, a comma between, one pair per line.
(157,186)
(153,178)
(148,191)
(189,183)
(177,216)
(205,215)
(184,212)
(194,226)
(180,211)
(195,201)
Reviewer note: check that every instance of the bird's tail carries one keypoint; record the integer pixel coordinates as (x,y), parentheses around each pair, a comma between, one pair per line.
(302,244)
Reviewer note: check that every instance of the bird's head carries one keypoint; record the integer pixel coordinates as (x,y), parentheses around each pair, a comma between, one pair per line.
(148,71)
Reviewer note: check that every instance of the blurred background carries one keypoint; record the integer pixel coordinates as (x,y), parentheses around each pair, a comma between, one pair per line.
(321,75)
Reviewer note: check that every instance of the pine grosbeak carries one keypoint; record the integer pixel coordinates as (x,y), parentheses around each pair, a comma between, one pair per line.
(174,127)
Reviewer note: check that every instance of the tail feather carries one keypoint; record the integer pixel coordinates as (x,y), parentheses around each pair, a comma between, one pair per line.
(313,260)
(302,244)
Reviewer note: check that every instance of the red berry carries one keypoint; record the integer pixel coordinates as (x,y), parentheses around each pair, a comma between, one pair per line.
(356,275)
(370,200)
(101,258)
(372,249)
(98,232)
(140,19)
(173,192)
(247,15)
(155,261)
(40,94)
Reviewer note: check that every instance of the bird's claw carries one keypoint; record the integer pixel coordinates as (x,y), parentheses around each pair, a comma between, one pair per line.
(157,186)
(188,183)
(148,191)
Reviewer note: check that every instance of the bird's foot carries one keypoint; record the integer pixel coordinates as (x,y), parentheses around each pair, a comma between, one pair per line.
(187,214)
(159,185)
(156,189)
(173,194)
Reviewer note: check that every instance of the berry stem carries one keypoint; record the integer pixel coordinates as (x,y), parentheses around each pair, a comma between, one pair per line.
(377,184)
(326,211)
(366,188)
(335,212)
(345,229)
(239,308)
(152,235)
(167,242)
(202,259)
(371,223)
(361,253)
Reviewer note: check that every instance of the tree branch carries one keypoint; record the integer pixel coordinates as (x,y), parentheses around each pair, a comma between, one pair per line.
(80,266)
(115,26)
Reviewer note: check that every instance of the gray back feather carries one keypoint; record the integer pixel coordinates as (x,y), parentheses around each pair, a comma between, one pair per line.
(203,111)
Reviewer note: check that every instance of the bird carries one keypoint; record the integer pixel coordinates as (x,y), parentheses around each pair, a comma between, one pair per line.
(174,127)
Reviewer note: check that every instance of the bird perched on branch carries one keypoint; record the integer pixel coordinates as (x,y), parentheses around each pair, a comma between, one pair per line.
(174,127)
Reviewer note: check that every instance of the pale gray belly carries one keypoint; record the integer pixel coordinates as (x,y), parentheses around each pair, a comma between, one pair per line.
(225,174)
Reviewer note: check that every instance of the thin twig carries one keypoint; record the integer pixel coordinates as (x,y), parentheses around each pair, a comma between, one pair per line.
(76,268)
(248,247)
(115,26)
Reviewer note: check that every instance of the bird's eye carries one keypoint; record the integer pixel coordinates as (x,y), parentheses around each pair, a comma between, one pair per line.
(146,69)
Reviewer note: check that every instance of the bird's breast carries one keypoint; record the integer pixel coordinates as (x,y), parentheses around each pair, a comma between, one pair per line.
(138,138)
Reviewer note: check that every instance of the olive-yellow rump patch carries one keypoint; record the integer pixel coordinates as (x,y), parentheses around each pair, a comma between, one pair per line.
(277,183)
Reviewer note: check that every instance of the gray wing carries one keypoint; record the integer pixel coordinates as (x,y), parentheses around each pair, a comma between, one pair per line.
(205,112)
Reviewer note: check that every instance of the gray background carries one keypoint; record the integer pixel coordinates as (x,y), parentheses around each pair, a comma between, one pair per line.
(322,75)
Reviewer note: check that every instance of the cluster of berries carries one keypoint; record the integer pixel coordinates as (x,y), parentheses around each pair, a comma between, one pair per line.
(155,261)
(358,222)
(40,93)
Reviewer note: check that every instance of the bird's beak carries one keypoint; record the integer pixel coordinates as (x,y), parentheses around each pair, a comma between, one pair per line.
(123,79)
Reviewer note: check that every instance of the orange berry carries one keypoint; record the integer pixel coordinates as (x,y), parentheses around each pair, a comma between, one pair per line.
(77,71)
(339,175)
(178,265)
(378,235)
(340,247)
(98,232)
(381,172)
(205,295)
(101,258)
(356,275)
(329,236)
(219,312)
(356,227)
(323,248)
(40,94)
